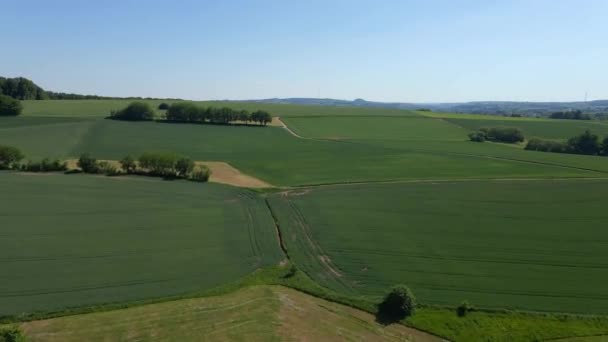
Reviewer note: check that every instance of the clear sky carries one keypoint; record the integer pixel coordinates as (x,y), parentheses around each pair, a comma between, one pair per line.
(393,50)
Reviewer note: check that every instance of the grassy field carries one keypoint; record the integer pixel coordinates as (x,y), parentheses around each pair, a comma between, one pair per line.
(82,240)
(262,313)
(529,245)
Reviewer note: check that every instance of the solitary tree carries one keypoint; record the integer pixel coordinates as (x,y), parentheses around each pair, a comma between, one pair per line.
(397,304)
(9,106)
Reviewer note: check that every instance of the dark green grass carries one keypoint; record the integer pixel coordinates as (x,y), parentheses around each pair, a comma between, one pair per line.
(548,129)
(84,240)
(530,245)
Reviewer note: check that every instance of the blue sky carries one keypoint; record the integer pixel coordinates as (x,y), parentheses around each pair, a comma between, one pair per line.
(397,50)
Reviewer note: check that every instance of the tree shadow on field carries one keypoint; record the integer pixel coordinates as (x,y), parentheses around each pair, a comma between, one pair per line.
(386,316)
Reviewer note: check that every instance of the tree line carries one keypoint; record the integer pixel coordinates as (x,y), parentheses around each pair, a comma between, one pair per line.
(585,143)
(155,164)
(191,113)
(21,88)
(509,135)
(570,115)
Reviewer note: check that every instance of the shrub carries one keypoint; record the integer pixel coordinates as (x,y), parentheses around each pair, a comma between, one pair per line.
(605,146)
(184,166)
(88,164)
(107,168)
(128,164)
(163,106)
(398,303)
(159,164)
(11,334)
(46,165)
(9,157)
(135,111)
(477,136)
(9,106)
(536,144)
(464,308)
(586,143)
(200,174)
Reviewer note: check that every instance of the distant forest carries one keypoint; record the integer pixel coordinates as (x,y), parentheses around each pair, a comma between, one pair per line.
(23,89)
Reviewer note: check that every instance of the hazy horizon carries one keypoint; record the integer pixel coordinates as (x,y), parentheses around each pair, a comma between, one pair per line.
(393,51)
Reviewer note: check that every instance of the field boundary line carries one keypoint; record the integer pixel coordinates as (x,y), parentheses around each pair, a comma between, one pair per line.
(442,180)
(278,229)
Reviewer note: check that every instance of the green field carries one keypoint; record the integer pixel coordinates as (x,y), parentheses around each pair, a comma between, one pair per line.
(528,245)
(79,240)
(370,198)
(273,155)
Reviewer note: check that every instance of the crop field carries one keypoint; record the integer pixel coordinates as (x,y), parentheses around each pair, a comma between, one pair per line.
(83,240)
(263,313)
(530,245)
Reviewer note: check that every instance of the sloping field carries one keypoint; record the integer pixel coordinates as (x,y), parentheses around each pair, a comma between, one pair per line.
(82,240)
(264,313)
(277,157)
(531,245)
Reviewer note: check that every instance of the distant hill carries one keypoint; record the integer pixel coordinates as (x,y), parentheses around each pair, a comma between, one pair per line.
(478,107)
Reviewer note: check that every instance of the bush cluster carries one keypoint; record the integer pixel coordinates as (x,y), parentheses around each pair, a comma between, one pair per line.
(509,135)
(156,164)
(45,165)
(9,106)
(9,157)
(585,143)
(135,111)
(189,112)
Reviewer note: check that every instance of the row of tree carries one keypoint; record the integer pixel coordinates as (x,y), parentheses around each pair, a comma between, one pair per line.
(23,89)
(586,143)
(570,115)
(509,135)
(155,164)
(191,113)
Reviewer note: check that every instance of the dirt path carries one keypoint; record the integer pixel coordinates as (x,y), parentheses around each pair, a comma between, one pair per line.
(277,122)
